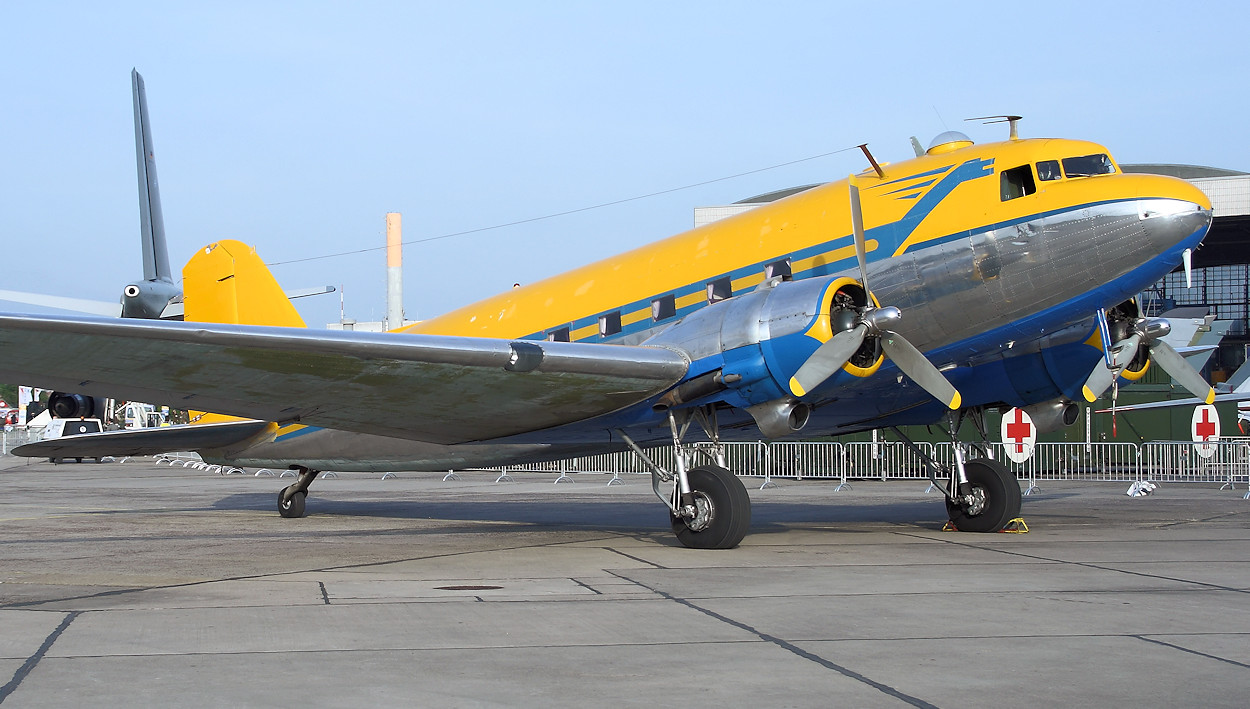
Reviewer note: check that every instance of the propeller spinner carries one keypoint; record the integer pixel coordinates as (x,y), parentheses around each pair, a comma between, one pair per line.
(872,321)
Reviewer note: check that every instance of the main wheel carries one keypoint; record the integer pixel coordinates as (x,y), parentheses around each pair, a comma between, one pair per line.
(724,510)
(293,507)
(996,498)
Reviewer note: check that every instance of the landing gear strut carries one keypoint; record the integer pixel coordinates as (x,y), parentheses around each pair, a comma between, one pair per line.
(982,495)
(709,507)
(291,499)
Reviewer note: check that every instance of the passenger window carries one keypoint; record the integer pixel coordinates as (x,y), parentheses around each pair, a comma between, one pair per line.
(610,323)
(664,307)
(1048,170)
(1087,165)
(1018,182)
(560,334)
(719,289)
(778,268)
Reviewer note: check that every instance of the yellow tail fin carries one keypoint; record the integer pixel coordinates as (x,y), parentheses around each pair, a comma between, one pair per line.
(226,282)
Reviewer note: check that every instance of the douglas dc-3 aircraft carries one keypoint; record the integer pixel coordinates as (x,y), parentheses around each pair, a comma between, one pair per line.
(972,276)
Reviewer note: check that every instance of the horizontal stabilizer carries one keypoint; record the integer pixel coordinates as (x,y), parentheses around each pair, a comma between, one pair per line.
(60,302)
(144,441)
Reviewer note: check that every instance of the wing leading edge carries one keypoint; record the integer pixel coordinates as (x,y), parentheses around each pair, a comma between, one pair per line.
(419,387)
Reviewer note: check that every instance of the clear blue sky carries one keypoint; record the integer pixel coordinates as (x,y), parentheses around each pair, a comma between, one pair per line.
(296,126)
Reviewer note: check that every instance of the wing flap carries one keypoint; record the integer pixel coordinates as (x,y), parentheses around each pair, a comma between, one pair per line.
(420,387)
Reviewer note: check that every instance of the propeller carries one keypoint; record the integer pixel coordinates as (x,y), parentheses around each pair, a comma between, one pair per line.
(1151,333)
(872,321)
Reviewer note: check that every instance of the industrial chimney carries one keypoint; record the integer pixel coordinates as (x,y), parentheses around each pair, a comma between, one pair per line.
(394,272)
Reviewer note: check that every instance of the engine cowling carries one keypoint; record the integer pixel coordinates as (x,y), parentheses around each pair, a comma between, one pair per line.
(76,406)
(762,338)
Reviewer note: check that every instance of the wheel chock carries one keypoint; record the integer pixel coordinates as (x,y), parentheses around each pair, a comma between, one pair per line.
(1015,526)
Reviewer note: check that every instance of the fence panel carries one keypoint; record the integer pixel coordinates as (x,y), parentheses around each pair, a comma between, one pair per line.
(1105,462)
(803,459)
(886,460)
(12,439)
(1179,461)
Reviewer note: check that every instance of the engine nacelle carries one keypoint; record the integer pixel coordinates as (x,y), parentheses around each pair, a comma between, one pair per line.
(762,338)
(1053,415)
(76,406)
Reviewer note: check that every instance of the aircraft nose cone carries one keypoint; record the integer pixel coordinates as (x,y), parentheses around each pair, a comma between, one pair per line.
(1175,222)
(1174,212)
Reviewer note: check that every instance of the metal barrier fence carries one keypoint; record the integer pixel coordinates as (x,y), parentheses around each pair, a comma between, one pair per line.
(1162,461)
(12,439)
(1225,461)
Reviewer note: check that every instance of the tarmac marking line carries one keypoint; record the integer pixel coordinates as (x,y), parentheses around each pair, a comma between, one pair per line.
(637,559)
(1192,652)
(791,648)
(1088,565)
(34,659)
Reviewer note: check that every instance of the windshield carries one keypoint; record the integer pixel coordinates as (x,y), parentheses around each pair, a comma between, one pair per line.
(1087,165)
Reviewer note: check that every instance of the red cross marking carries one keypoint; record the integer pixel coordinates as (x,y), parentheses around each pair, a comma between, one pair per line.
(1206,427)
(1019,430)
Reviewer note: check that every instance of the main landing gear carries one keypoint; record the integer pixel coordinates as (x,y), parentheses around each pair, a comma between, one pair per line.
(708,505)
(291,499)
(982,495)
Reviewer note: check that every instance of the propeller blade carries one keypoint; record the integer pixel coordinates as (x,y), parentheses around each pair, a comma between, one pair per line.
(857,228)
(1162,354)
(1103,375)
(827,360)
(915,365)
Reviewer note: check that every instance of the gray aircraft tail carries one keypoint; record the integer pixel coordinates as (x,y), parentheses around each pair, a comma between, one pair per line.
(148,298)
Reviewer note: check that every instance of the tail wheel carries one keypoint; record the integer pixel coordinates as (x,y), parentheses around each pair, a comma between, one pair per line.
(724,510)
(995,498)
(293,507)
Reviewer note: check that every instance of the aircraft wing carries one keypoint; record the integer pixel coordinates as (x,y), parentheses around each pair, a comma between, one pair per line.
(1192,401)
(420,387)
(145,441)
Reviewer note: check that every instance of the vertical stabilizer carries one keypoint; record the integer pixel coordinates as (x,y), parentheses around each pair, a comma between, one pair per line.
(155,253)
(226,282)
(150,297)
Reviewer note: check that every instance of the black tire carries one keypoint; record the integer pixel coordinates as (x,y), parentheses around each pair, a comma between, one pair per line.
(1002,498)
(724,499)
(293,507)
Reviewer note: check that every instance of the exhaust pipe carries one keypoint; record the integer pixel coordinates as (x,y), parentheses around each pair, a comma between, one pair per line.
(780,417)
(1053,415)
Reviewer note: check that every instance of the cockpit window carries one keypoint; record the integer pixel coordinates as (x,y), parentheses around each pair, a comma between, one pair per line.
(1048,170)
(1018,182)
(1087,165)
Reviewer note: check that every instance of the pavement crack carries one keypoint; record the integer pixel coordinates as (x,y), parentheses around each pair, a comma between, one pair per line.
(34,659)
